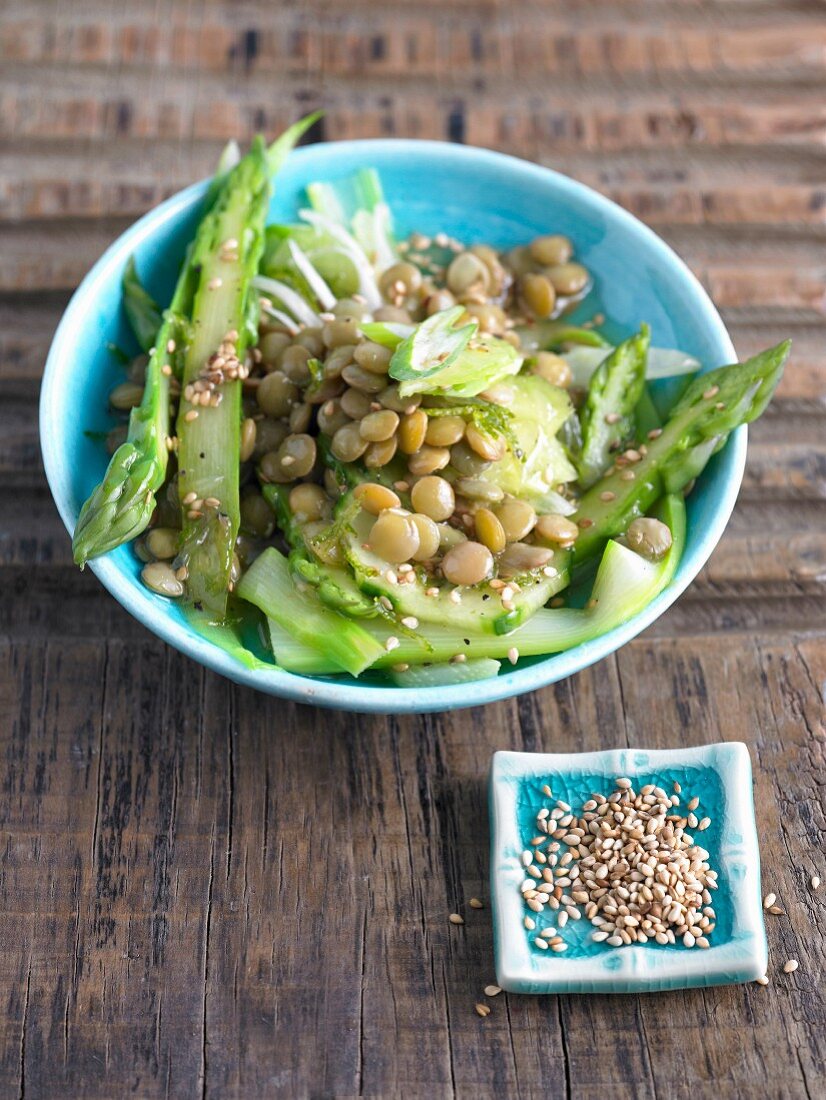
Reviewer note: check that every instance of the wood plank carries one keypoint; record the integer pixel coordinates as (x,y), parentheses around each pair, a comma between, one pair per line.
(151,786)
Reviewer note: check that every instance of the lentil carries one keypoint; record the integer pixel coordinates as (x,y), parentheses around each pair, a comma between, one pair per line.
(429,537)
(467,563)
(161,579)
(427,460)
(379,426)
(433,496)
(489,530)
(394,537)
(375,498)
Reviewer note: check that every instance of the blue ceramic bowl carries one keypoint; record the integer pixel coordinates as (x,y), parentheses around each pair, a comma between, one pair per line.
(472,194)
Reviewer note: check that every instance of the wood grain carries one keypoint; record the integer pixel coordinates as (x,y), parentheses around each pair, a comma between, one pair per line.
(208,892)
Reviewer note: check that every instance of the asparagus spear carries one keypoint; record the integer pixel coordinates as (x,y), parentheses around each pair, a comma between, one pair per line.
(713,405)
(224,318)
(120,508)
(122,505)
(224,323)
(607,415)
(142,311)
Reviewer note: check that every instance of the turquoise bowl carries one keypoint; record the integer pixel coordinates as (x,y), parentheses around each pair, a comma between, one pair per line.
(472,194)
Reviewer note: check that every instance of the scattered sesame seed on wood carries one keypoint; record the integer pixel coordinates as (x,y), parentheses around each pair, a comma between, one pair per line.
(763,980)
(814,882)
(482,1010)
(492,990)
(475,903)
(790,966)
(769,900)
(455,918)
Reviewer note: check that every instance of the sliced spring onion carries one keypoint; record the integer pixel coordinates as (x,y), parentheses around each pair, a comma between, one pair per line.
(272,586)
(442,675)
(387,333)
(662,363)
(371,229)
(430,349)
(289,298)
(325,296)
(282,318)
(368,287)
(294,656)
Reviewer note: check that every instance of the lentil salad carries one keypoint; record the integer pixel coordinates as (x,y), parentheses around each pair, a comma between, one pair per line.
(402,453)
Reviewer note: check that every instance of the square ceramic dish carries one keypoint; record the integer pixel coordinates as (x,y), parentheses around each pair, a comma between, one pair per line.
(721,776)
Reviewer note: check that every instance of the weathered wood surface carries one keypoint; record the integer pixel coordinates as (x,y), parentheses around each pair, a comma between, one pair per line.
(204,891)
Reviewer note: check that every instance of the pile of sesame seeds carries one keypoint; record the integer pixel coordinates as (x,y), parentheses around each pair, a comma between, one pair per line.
(628,863)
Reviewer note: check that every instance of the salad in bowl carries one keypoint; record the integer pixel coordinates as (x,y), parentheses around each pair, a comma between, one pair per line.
(402,457)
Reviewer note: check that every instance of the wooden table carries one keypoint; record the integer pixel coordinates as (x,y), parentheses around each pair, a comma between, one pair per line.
(206,891)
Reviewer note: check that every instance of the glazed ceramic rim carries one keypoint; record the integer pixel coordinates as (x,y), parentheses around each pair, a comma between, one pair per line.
(347,695)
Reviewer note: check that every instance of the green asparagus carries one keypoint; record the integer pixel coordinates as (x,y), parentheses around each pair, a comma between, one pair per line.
(120,507)
(224,316)
(613,395)
(142,311)
(711,408)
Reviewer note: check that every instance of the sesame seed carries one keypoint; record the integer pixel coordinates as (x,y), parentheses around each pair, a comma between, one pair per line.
(402,486)
(584,524)
(455,596)
(482,1010)
(776,910)
(212,502)
(410,621)
(431,591)
(166,369)
(458,659)
(454,918)
(546,790)
(769,900)
(392,643)
(513,654)
(628,475)
(215,283)
(189,498)
(712,391)
(492,990)
(390,577)
(623,784)
(170,346)
(763,980)
(529,923)
(475,903)
(541,943)
(405,567)
(814,882)
(402,667)
(607,495)
(704,823)
(559,947)
(191,415)
(612,418)
(790,966)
